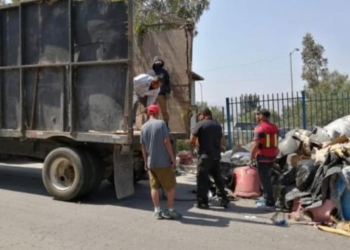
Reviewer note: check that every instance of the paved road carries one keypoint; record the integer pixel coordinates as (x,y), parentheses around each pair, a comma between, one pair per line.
(32,220)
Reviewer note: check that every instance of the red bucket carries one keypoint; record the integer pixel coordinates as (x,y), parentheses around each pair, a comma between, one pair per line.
(247,182)
(186,158)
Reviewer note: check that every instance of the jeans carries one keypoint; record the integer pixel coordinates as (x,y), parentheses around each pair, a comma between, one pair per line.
(206,167)
(264,170)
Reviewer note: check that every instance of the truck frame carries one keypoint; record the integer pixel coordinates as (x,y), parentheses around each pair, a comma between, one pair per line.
(66,87)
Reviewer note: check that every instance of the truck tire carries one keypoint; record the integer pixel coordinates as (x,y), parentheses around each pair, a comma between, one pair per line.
(97,171)
(66,174)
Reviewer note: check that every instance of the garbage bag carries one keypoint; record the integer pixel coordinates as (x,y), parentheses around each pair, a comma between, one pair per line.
(288,177)
(338,127)
(226,157)
(240,159)
(320,135)
(305,174)
(346,176)
(288,145)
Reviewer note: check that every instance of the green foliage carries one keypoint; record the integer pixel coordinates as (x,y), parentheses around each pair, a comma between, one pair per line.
(327,93)
(183,145)
(315,65)
(249,103)
(250,117)
(167,14)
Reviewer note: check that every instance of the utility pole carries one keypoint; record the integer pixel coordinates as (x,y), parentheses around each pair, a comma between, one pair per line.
(291,69)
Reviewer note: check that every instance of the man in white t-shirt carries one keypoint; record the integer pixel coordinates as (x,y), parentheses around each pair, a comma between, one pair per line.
(146,90)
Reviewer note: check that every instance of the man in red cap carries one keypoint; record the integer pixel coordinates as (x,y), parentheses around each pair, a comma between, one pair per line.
(160,162)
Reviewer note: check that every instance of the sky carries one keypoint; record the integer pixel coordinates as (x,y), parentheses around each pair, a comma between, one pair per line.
(243,46)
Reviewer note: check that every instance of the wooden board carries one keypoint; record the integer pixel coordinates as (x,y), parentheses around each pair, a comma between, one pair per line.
(174,48)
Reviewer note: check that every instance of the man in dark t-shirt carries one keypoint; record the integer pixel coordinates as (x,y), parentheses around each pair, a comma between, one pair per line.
(210,139)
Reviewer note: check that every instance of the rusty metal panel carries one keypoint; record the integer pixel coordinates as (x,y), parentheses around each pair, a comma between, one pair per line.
(10,37)
(43,82)
(10,99)
(43,89)
(45,33)
(100,34)
(100,96)
(174,47)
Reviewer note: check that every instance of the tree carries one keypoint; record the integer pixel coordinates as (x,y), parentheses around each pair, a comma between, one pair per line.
(249,103)
(315,65)
(324,104)
(169,13)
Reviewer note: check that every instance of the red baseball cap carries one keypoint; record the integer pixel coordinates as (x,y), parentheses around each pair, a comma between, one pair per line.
(153,109)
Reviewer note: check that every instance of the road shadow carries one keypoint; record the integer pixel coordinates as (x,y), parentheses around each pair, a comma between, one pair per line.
(28,180)
(22,179)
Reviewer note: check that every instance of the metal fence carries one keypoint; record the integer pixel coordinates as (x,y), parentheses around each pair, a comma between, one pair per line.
(288,111)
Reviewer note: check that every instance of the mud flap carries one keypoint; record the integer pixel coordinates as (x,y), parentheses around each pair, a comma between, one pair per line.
(123,173)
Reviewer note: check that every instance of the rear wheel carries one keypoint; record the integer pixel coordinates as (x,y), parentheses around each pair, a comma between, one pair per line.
(97,171)
(66,174)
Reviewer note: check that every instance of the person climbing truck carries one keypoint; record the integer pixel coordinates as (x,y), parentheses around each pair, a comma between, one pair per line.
(146,89)
(264,152)
(158,68)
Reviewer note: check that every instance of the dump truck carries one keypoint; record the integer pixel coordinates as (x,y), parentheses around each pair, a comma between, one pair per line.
(66,88)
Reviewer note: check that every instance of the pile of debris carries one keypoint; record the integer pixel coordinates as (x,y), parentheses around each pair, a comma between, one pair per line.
(312,168)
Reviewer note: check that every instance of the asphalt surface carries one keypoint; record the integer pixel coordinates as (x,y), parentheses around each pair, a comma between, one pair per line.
(30,219)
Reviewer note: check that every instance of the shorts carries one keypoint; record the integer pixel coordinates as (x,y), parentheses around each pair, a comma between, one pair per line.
(162,177)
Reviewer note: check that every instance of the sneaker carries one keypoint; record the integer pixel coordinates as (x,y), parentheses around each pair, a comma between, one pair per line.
(158,215)
(167,214)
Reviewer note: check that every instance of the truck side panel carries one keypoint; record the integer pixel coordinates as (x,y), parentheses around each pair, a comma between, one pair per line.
(71,59)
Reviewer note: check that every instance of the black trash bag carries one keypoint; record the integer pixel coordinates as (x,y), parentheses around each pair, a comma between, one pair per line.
(305,175)
(288,177)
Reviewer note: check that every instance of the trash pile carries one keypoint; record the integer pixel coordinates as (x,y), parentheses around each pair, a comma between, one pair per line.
(312,171)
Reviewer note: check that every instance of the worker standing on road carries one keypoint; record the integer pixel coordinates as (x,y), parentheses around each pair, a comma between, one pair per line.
(264,151)
(159,161)
(158,68)
(146,89)
(210,139)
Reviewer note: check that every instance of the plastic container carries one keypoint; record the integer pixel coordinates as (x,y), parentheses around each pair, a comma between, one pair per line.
(247,182)
(345,204)
(185,158)
(296,213)
(323,212)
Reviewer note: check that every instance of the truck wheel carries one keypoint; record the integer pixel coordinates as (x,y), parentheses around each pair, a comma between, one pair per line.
(97,171)
(66,174)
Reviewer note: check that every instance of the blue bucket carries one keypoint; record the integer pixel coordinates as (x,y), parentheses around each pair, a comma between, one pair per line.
(345,204)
